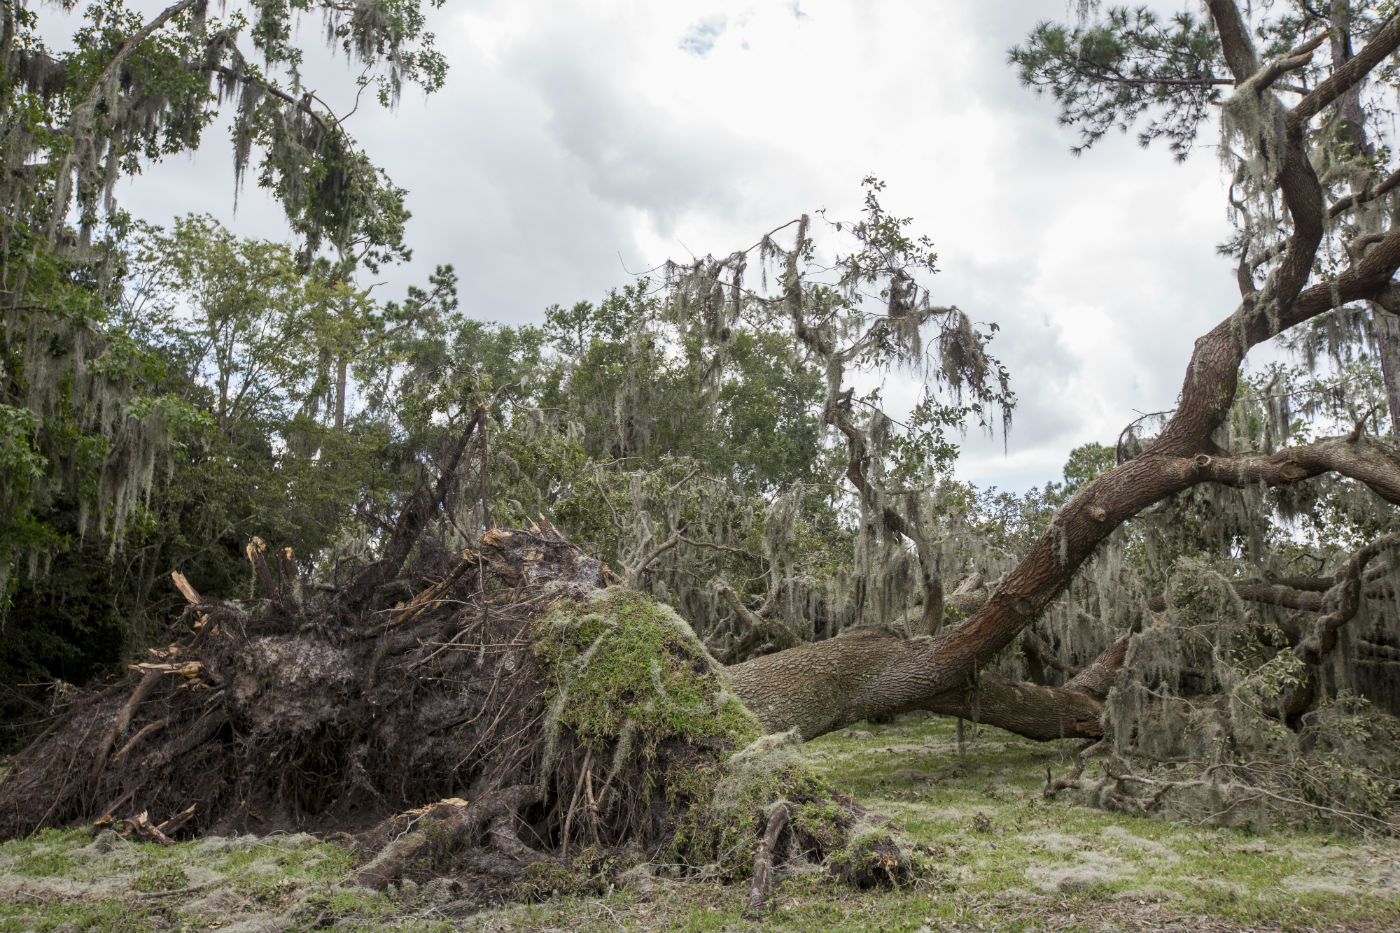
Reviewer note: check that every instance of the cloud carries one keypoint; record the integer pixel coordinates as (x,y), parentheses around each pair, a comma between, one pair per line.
(701,37)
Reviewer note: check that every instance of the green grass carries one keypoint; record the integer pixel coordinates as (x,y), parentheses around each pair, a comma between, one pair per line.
(993,853)
(115,914)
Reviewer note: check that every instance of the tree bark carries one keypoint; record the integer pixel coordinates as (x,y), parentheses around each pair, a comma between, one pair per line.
(819,687)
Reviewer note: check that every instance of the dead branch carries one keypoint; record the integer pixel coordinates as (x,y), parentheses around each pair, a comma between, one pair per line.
(183,585)
(758,627)
(256,551)
(632,574)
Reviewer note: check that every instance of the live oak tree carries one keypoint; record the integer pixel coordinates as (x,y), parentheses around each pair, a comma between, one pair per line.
(1311,191)
(1157,596)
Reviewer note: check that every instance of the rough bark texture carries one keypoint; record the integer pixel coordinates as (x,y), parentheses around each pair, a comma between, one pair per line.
(871,673)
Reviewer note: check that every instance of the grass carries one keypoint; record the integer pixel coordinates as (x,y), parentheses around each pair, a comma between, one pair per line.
(994,853)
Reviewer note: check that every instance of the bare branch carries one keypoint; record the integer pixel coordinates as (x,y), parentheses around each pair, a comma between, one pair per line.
(1365,459)
(1370,194)
(633,573)
(1321,637)
(1296,58)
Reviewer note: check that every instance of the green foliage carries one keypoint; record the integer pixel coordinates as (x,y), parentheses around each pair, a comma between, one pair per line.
(633,375)
(95,393)
(131,90)
(1107,74)
(237,320)
(81,419)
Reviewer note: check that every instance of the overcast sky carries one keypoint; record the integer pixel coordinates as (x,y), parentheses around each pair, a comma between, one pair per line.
(576,141)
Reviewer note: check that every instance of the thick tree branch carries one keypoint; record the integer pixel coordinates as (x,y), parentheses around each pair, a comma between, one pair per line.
(1297,180)
(822,686)
(1320,638)
(1346,594)
(1345,204)
(1352,73)
(1275,594)
(1240,56)
(1364,459)
(1029,710)
(1296,58)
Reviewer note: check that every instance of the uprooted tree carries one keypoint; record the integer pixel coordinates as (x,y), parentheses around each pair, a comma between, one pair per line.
(502,714)
(1221,654)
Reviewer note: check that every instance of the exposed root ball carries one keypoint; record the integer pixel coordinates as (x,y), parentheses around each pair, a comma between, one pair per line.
(500,715)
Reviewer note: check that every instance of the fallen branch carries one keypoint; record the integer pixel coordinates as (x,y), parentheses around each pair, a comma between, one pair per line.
(759,626)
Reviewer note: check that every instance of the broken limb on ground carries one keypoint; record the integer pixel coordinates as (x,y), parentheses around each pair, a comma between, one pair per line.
(1258,716)
(501,716)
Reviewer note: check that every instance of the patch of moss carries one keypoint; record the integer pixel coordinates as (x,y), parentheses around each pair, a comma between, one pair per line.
(725,810)
(826,824)
(628,677)
(626,670)
(588,872)
(870,858)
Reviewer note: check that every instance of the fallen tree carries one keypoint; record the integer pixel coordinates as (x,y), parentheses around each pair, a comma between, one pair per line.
(402,690)
(1318,252)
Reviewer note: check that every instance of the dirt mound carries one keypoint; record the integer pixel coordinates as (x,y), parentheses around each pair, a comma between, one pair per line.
(502,714)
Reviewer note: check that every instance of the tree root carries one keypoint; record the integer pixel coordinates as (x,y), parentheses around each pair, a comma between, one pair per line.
(334,717)
(452,825)
(762,890)
(121,724)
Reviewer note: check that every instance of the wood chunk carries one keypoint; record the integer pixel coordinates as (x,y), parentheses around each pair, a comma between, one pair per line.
(183,585)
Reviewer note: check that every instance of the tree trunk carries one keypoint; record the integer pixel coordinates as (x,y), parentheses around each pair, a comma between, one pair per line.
(819,687)
(1388,349)
(341,380)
